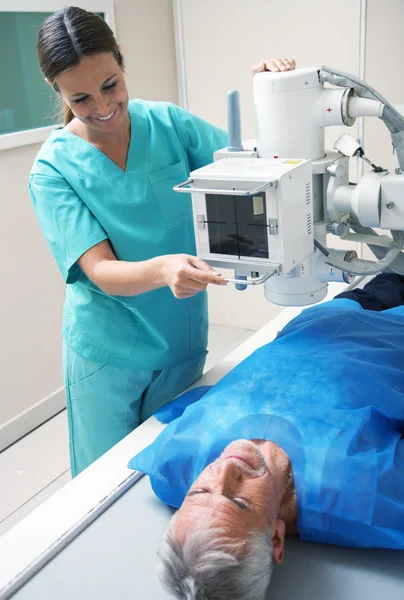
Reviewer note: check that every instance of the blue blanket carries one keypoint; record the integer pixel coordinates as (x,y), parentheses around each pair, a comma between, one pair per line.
(330,392)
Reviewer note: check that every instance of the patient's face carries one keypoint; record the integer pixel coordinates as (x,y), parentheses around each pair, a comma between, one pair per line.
(235,492)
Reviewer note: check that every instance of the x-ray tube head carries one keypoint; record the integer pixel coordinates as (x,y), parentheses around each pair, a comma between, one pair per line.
(285,117)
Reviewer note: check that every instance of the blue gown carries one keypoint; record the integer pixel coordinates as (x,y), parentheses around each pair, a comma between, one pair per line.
(330,392)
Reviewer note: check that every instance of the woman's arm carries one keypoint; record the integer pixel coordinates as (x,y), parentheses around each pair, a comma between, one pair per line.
(186,275)
(79,244)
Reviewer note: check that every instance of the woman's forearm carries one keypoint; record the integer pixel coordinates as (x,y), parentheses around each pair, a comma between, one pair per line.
(186,275)
(122,278)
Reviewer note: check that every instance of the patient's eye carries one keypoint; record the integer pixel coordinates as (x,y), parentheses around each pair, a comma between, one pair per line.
(240,503)
(198,491)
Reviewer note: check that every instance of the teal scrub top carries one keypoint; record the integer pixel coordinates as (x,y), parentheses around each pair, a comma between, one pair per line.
(81,197)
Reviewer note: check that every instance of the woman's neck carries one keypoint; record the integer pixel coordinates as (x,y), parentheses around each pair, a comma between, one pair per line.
(115,145)
(120,137)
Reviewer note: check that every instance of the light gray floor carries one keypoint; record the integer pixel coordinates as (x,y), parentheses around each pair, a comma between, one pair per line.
(37,466)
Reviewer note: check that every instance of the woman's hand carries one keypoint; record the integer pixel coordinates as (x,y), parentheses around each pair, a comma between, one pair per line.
(274,64)
(188,275)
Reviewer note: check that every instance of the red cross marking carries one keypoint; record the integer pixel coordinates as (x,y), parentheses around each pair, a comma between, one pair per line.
(329,109)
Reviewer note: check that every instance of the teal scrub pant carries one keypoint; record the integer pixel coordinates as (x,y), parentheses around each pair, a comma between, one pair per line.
(105,403)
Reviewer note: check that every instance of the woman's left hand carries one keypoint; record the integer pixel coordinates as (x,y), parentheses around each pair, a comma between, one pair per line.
(274,64)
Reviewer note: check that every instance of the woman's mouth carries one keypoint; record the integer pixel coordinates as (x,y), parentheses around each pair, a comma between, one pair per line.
(107,117)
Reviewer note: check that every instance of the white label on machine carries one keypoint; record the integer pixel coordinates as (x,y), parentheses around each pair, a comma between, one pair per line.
(299,271)
(293,273)
(258,206)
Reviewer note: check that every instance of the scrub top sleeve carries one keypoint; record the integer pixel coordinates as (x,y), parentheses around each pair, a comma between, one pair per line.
(199,138)
(68,225)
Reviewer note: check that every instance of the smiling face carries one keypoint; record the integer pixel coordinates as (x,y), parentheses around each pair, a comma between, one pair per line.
(96,92)
(235,493)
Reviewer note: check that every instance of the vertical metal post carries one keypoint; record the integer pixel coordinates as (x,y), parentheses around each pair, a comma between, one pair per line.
(362,67)
(180,54)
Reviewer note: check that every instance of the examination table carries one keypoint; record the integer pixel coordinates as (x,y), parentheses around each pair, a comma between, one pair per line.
(96,539)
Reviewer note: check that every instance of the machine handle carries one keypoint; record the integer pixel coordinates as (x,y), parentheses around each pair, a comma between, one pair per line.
(252,280)
(181,188)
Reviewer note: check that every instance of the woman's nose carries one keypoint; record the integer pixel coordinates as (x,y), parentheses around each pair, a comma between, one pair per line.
(102,107)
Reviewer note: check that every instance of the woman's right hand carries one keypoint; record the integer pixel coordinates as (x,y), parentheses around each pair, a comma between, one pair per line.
(188,275)
(275,64)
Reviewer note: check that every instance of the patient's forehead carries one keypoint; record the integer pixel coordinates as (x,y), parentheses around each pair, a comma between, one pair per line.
(208,512)
(203,510)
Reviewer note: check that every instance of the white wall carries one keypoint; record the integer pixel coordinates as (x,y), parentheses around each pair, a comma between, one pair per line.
(224,38)
(145,31)
(384,71)
(31,295)
(31,288)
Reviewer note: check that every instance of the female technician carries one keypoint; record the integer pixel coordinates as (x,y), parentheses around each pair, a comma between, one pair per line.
(135,316)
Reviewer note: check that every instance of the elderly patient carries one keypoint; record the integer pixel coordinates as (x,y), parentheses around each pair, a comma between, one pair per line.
(304,437)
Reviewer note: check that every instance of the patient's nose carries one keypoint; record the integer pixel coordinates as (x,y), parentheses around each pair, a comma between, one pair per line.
(229,472)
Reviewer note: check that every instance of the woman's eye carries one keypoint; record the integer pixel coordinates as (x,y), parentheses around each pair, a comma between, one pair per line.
(111,87)
(79,100)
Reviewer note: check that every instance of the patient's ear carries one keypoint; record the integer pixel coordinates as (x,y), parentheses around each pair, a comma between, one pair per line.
(278,542)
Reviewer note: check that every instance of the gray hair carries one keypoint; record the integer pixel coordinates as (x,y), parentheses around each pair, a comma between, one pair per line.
(205,566)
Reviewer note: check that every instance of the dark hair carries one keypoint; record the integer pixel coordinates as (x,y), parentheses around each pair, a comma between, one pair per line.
(68,35)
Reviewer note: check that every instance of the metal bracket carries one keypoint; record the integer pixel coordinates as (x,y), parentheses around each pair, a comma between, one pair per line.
(252,280)
(273,226)
(200,219)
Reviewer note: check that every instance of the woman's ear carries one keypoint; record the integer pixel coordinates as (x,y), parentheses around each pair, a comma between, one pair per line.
(54,87)
(123,66)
